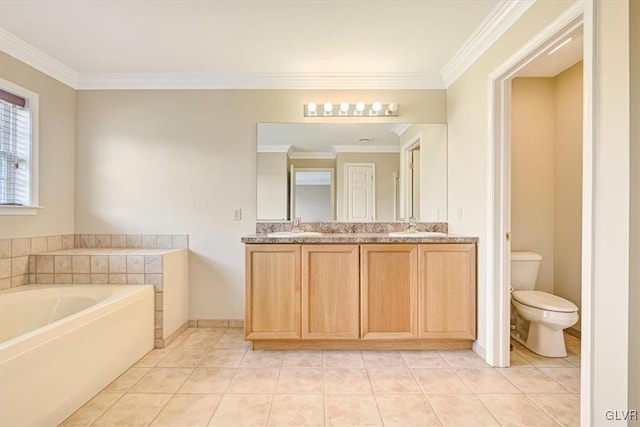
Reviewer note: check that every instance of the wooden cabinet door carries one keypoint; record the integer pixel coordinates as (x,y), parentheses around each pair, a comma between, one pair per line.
(448,291)
(272,300)
(330,292)
(389,291)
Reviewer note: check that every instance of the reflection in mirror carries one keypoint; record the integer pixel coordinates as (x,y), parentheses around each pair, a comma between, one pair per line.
(351,172)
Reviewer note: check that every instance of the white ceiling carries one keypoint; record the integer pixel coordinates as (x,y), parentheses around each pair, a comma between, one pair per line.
(557,62)
(322,137)
(114,38)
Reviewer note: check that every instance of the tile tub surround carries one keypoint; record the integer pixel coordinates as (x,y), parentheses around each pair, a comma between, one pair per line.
(209,377)
(350,227)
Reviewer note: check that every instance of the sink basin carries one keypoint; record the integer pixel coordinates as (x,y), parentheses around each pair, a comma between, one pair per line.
(294,234)
(417,234)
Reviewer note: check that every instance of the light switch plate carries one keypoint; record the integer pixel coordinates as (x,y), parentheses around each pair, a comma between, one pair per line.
(237,214)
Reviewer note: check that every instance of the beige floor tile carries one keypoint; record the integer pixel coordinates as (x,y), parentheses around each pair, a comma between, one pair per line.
(351,410)
(231,341)
(424,359)
(532,380)
(568,377)
(439,381)
(235,331)
(564,408)
(200,340)
(346,381)
(407,410)
(515,410)
(300,380)
(573,356)
(571,341)
(151,359)
(224,358)
(461,410)
(519,359)
(302,359)
(125,381)
(162,380)
(133,410)
(297,410)
(392,380)
(383,359)
(254,380)
(242,410)
(208,380)
(183,358)
(343,359)
(463,359)
(188,410)
(91,410)
(485,380)
(545,362)
(262,359)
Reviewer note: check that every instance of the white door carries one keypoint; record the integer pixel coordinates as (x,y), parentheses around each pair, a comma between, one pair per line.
(360,191)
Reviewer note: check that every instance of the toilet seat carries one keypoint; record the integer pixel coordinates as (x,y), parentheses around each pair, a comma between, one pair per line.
(544,301)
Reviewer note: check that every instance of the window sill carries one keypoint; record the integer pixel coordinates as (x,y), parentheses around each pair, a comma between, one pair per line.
(19,210)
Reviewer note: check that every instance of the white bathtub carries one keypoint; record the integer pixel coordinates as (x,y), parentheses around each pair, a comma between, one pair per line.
(62,344)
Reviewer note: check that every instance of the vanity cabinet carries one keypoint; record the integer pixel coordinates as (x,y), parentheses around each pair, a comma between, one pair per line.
(330,292)
(447,291)
(389,276)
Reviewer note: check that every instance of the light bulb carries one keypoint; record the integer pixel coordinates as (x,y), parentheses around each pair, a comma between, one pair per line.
(376,106)
(312,107)
(328,107)
(360,106)
(344,107)
(393,107)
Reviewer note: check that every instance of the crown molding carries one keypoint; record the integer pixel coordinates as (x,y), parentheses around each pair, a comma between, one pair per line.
(400,128)
(501,18)
(366,148)
(312,155)
(274,148)
(23,51)
(106,81)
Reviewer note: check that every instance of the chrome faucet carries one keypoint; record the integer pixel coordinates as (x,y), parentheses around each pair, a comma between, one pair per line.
(295,226)
(413,226)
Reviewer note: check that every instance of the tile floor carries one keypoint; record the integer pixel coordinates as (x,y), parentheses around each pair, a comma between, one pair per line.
(208,377)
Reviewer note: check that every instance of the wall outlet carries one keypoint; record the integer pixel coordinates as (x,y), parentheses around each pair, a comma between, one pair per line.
(237,214)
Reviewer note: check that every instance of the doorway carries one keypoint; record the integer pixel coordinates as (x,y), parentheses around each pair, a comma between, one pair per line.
(360,192)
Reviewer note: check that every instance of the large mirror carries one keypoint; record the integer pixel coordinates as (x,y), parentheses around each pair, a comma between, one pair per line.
(351,172)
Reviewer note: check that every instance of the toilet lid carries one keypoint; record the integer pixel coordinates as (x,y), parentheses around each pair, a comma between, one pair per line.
(544,301)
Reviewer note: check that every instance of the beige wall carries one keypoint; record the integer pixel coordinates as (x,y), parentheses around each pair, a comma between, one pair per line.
(532,132)
(271,186)
(567,186)
(180,161)
(57,139)
(386,165)
(634,253)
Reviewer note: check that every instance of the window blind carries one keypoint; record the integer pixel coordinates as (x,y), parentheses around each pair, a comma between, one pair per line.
(15,150)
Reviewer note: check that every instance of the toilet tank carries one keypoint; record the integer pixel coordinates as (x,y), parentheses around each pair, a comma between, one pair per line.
(524,270)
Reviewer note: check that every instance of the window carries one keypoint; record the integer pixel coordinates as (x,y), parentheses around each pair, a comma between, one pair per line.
(18,150)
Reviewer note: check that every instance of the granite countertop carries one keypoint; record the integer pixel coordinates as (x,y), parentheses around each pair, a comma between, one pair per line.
(358,238)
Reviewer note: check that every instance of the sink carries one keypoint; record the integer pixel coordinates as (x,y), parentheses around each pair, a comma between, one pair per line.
(417,234)
(294,234)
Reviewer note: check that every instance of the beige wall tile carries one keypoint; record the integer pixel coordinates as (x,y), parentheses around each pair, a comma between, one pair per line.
(44,264)
(153,264)
(20,247)
(103,240)
(118,240)
(118,279)
(99,279)
(67,241)
(135,279)
(5,248)
(62,264)
(20,265)
(134,241)
(213,323)
(76,240)
(32,278)
(81,279)
(81,264)
(38,244)
(155,280)
(19,280)
(180,241)
(44,279)
(135,264)
(164,241)
(99,264)
(149,241)
(5,268)
(32,264)
(87,241)
(5,284)
(54,243)
(158,319)
(117,264)
(158,300)
(63,279)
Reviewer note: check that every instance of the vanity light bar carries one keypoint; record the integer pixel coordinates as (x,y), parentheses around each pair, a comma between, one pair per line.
(344,109)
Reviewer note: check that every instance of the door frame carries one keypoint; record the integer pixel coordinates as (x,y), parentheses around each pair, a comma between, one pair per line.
(405,188)
(498,186)
(346,189)
(333,188)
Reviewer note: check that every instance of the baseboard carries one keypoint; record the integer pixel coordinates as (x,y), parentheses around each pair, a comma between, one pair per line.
(216,323)
(479,350)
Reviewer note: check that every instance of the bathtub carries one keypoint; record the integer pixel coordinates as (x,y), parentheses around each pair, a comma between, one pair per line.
(62,344)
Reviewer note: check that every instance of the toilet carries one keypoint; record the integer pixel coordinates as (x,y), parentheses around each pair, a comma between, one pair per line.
(540,317)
